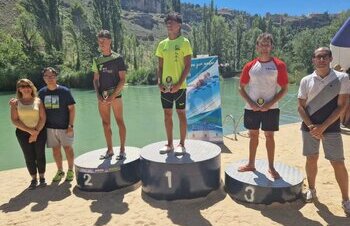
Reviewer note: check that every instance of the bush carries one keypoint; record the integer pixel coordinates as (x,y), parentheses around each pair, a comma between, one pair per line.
(142,76)
(76,79)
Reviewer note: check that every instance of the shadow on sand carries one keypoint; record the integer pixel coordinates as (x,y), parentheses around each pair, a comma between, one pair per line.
(40,196)
(288,214)
(113,199)
(187,212)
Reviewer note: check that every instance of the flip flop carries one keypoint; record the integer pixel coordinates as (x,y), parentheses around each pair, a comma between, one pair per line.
(274,174)
(246,168)
(106,156)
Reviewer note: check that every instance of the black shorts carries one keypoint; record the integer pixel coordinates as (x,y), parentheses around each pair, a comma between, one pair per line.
(269,120)
(169,98)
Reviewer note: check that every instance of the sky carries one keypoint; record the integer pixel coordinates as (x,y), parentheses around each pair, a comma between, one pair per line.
(291,7)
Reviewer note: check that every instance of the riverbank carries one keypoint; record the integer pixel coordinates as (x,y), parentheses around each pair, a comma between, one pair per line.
(64,204)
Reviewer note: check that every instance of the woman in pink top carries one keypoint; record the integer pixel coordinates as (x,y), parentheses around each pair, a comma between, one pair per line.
(28,115)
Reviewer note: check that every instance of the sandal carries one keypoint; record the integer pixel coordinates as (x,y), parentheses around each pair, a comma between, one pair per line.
(108,155)
(274,174)
(121,156)
(166,149)
(246,168)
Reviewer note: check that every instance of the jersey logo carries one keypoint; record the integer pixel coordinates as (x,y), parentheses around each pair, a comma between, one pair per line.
(52,102)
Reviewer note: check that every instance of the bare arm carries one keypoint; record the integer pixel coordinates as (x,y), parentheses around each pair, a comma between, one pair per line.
(71,110)
(277,97)
(159,74)
(303,113)
(120,86)
(96,82)
(341,107)
(42,117)
(246,97)
(184,74)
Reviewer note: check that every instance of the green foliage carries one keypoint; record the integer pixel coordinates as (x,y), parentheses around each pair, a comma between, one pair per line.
(63,35)
(142,76)
(47,17)
(76,79)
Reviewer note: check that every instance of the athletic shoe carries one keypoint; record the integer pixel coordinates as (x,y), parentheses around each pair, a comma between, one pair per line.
(346,207)
(166,149)
(33,184)
(70,175)
(310,195)
(180,150)
(42,182)
(59,175)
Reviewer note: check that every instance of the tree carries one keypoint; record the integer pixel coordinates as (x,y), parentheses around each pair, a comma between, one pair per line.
(109,14)
(47,16)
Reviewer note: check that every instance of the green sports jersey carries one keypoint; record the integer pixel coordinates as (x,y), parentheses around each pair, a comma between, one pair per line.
(173,53)
(108,68)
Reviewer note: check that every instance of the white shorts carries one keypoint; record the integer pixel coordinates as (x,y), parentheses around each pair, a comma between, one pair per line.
(58,137)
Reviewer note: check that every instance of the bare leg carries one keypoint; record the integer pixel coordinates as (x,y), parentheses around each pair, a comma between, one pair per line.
(117,106)
(253,145)
(70,156)
(57,155)
(341,175)
(183,125)
(311,170)
(168,121)
(105,114)
(270,147)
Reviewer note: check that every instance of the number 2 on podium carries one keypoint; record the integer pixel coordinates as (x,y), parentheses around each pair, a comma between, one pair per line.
(168,175)
(87,179)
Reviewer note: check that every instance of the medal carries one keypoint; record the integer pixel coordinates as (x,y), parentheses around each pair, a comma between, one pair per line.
(168,83)
(260,101)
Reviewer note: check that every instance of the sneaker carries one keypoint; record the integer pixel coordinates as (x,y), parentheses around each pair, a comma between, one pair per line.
(33,184)
(42,182)
(70,175)
(180,150)
(346,207)
(166,149)
(59,175)
(310,195)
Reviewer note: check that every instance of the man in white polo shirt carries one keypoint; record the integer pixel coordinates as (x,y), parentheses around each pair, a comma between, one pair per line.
(322,99)
(263,82)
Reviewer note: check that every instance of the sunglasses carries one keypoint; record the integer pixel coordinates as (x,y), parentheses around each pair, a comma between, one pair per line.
(24,86)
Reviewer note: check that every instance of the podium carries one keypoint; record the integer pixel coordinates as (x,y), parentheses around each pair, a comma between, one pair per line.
(93,174)
(258,186)
(171,177)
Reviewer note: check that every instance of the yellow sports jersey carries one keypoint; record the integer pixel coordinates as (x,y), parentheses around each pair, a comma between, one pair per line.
(173,53)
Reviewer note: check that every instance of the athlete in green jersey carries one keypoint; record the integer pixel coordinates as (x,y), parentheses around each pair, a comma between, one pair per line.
(174,63)
(109,79)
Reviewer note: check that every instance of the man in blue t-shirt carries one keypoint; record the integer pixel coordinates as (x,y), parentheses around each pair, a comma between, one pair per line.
(60,114)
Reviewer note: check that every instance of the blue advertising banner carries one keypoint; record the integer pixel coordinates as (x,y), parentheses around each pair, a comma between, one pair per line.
(203,107)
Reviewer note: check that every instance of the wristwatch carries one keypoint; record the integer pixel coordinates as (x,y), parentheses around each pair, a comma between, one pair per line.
(70,126)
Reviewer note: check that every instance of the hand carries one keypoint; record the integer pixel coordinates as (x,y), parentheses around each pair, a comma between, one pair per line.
(162,88)
(175,88)
(110,99)
(255,106)
(32,138)
(70,132)
(265,107)
(317,131)
(13,102)
(33,132)
(101,100)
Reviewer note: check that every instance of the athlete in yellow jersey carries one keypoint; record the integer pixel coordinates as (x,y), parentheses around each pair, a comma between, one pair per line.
(174,57)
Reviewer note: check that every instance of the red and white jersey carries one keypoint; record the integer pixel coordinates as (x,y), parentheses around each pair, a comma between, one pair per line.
(263,78)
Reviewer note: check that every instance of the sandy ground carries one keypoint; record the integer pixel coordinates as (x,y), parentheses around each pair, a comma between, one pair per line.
(64,204)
